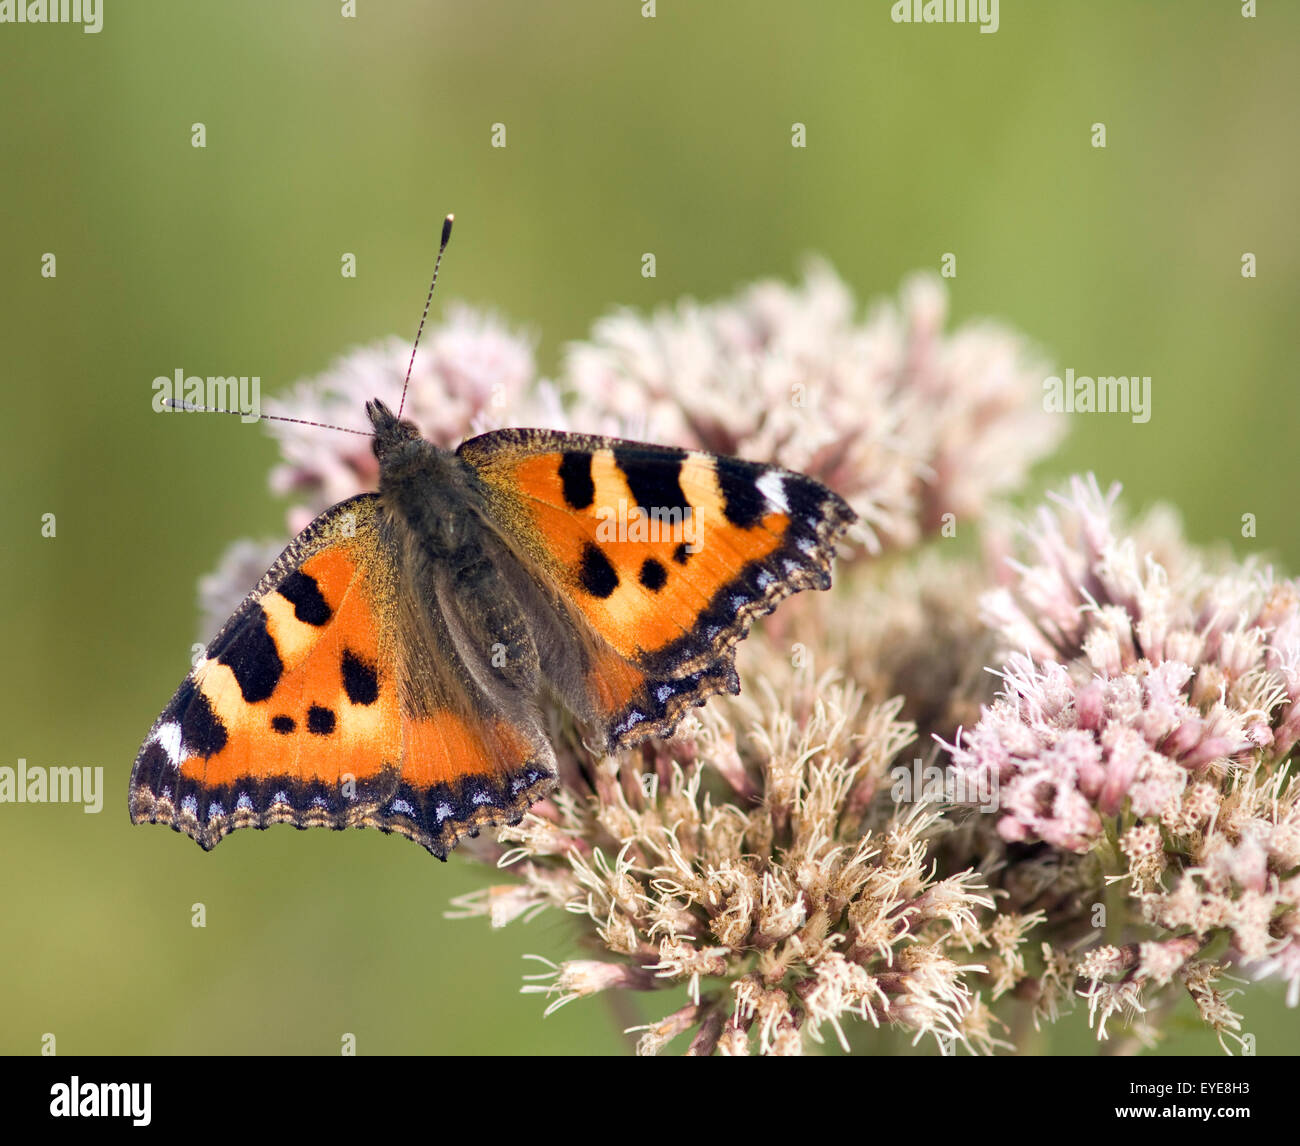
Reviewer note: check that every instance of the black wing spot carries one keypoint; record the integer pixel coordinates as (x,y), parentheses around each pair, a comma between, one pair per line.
(360,680)
(597,575)
(653,575)
(320,720)
(283,724)
(742,503)
(303,593)
(250,653)
(654,479)
(681,554)
(575,474)
(202,732)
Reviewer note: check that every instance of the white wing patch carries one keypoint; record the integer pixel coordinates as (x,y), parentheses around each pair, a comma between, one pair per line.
(168,738)
(772,487)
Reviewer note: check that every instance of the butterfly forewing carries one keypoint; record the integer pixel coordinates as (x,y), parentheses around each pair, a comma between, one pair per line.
(303,710)
(664,557)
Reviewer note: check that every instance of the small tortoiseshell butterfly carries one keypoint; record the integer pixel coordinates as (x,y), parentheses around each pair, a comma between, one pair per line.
(387,671)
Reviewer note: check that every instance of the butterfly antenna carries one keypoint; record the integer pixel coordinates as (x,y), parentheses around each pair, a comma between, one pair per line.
(194,408)
(446,234)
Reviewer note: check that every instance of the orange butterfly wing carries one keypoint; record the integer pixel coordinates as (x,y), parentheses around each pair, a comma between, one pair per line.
(306,709)
(663,558)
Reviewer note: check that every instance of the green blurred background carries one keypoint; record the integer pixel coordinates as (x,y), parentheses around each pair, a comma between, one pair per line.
(625,134)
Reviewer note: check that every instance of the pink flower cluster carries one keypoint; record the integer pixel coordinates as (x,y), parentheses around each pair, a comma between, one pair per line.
(906,421)
(1135,677)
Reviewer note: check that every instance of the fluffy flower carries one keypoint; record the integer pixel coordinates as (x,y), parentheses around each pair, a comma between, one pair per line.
(471,374)
(907,422)
(1153,706)
(809,918)
(1135,681)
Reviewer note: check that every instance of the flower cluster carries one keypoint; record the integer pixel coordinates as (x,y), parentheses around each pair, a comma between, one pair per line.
(473,373)
(1130,704)
(1147,723)
(740,851)
(905,421)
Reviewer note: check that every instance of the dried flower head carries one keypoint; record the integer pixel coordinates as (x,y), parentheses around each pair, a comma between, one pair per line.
(735,862)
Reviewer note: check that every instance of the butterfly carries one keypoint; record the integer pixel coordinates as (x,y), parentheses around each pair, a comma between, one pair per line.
(391,668)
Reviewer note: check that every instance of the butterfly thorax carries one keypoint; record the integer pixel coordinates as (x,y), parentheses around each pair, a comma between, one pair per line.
(424,488)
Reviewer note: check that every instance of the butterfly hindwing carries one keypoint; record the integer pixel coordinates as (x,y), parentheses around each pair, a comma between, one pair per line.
(320,703)
(662,556)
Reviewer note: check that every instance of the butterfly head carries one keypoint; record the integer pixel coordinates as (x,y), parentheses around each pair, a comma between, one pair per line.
(391,432)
